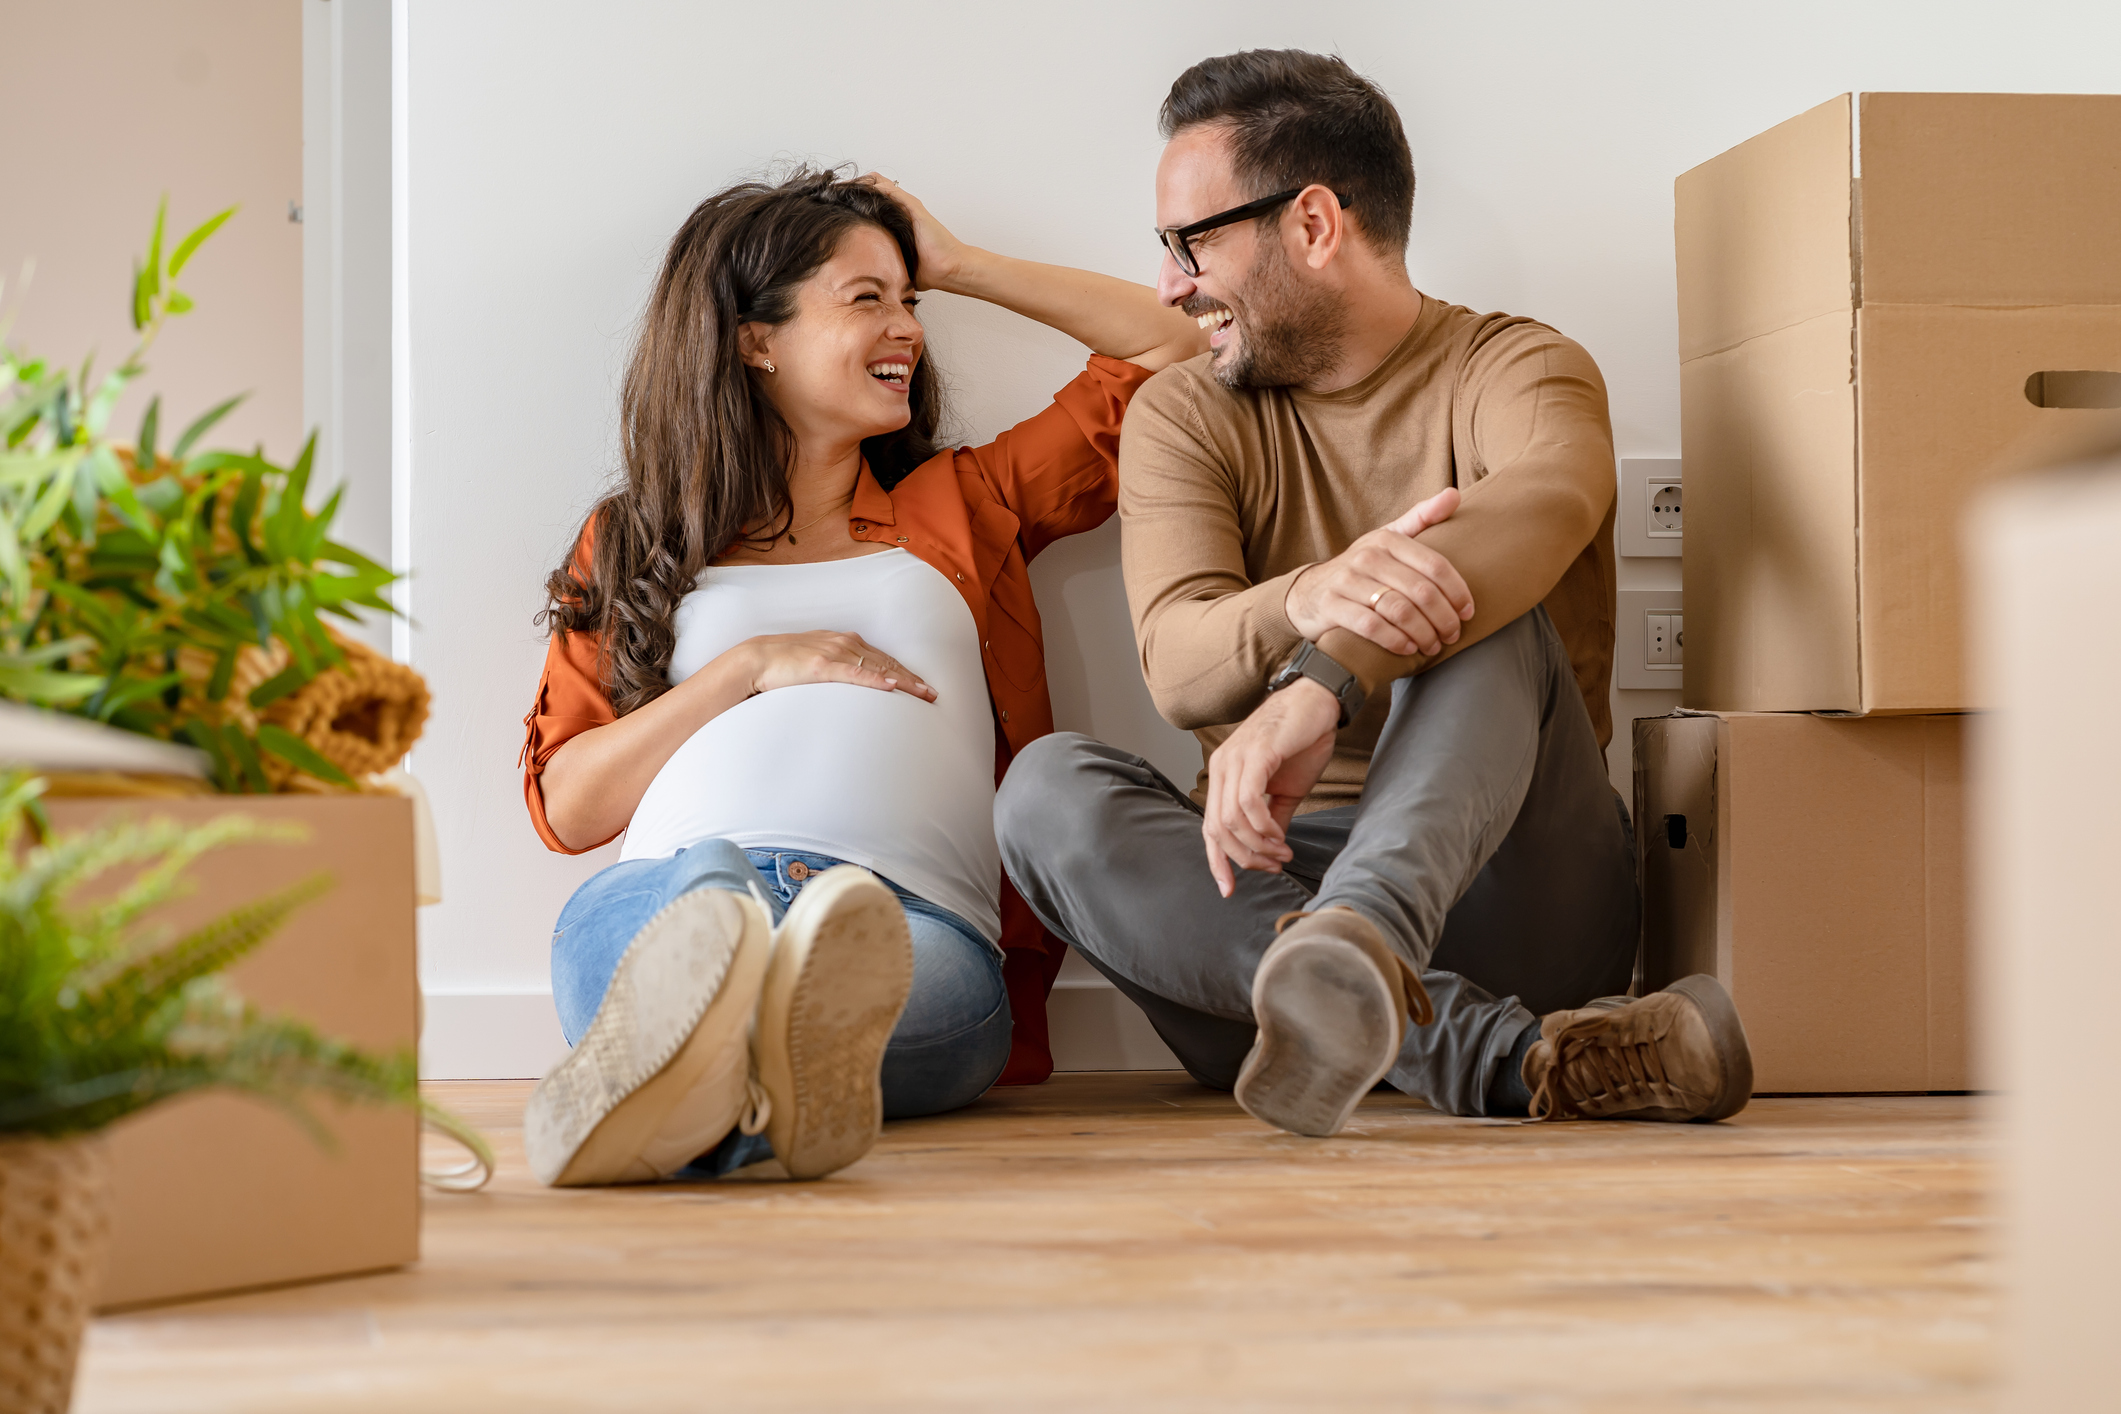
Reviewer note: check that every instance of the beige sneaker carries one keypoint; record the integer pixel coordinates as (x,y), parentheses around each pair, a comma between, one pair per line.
(662,1073)
(842,965)
(1678,1054)
(1332,1001)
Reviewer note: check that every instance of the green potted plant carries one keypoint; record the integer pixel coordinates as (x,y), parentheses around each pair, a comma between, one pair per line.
(144,588)
(102,1017)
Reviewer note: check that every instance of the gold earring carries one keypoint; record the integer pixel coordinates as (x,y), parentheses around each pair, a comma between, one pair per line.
(769,365)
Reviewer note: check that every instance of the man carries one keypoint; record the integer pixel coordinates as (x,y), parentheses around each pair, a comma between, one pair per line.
(1405,807)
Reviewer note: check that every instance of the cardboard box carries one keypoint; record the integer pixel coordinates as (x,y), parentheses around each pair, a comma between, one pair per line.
(215,1192)
(1874,299)
(1814,866)
(2046,774)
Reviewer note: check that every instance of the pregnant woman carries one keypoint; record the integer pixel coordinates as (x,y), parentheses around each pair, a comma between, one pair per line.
(791,654)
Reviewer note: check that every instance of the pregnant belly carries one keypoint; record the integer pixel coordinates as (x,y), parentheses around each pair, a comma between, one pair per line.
(903,786)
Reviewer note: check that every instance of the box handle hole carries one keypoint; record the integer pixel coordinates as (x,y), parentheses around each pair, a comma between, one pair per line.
(1675,831)
(2074,388)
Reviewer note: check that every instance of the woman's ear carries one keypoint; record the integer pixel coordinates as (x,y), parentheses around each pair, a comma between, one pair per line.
(751,343)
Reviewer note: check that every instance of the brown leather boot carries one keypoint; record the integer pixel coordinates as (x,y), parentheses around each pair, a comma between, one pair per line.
(1678,1054)
(1332,1001)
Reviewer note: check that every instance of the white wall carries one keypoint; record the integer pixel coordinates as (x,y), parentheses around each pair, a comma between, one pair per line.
(112,106)
(553,147)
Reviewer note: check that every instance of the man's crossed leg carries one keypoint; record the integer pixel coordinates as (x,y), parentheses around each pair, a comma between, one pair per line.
(1489,853)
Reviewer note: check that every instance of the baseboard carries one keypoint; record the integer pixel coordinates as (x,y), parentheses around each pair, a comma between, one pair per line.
(489,1035)
(516,1035)
(1095,1028)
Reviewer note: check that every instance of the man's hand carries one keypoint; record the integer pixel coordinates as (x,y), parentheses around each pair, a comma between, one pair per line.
(1260,775)
(1388,587)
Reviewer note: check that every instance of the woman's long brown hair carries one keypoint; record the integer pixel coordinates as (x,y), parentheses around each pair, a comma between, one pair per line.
(706,454)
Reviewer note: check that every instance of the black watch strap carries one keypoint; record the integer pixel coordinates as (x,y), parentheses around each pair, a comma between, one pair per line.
(1311,661)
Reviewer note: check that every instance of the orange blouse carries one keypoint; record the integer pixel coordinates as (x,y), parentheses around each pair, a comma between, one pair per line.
(978,515)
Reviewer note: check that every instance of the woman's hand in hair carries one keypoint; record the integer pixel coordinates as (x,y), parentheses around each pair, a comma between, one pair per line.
(941,254)
(1114,317)
(793,659)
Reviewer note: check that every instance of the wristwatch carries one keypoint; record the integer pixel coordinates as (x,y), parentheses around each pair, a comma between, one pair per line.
(1310,661)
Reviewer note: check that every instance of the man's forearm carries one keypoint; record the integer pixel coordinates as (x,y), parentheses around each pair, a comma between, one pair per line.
(1512,539)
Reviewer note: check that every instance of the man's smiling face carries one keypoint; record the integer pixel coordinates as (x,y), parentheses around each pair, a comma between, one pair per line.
(1269,327)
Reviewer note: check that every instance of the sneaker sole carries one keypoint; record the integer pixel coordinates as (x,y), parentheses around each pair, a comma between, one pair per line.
(1327,1035)
(1727,1034)
(842,966)
(659,1076)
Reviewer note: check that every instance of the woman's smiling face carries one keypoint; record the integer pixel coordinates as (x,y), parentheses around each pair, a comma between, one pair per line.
(843,366)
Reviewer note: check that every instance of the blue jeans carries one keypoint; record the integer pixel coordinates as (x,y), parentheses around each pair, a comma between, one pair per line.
(948,1048)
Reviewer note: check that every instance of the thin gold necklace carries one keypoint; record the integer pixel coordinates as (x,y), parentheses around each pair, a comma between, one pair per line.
(790,532)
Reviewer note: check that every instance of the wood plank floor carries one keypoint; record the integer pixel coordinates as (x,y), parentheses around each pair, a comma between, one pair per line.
(1133,1241)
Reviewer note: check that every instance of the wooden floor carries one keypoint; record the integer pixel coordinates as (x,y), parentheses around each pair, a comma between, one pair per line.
(1130,1241)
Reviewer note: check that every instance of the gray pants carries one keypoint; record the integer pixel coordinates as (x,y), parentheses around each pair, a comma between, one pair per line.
(1488,846)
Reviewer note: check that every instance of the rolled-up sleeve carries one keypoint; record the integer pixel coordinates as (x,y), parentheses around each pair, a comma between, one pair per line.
(571,700)
(1058,470)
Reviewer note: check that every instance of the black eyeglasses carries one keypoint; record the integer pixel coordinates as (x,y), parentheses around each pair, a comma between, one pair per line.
(1179,239)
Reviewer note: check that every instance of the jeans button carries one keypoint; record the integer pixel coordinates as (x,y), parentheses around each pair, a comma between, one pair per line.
(798,871)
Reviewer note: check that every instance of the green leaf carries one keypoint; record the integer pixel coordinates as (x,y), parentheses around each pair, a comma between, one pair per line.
(14,567)
(192,242)
(139,309)
(289,679)
(206,420)
(134,691)
(224,672)
(45,688)
(47,509)
(149,422)
(153,270)
(300,754)
(179,302)
(246,755)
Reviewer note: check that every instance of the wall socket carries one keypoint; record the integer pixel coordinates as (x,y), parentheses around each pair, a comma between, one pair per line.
(1648,518)
(1649,640)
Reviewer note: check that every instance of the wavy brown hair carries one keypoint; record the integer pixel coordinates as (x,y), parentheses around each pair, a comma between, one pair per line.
(706,453)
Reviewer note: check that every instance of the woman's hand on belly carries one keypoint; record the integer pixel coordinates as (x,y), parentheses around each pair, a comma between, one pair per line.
(793,659)
(593,784)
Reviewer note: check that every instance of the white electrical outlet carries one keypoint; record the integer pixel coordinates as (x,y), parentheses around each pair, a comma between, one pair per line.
(1663,517)
(1648,518)
(1649,640)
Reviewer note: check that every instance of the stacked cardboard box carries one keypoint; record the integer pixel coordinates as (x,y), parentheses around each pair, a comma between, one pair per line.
(218,1192)
(1878,301)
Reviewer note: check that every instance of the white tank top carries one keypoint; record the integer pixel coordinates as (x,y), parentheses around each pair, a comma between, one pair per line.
(880,779)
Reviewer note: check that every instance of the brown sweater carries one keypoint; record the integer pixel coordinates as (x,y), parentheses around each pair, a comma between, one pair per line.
(1224,496)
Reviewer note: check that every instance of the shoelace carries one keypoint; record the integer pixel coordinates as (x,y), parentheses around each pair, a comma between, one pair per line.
(1596,1068)
(758,1106)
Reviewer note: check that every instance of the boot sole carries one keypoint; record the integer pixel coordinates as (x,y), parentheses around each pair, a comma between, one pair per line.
(1328,1032)
(1727,1034)
(842,966)
(659,1076)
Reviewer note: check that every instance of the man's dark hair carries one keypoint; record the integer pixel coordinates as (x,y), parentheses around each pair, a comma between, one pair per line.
(1296,118)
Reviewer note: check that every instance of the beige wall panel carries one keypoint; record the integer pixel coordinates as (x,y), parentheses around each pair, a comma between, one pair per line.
(125,101)
(2047,772)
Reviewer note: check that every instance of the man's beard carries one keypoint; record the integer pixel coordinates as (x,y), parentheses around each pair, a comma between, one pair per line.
(1293,333)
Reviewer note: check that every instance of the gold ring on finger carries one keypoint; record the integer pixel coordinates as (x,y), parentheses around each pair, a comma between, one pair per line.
(1377,596)
(862,661)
